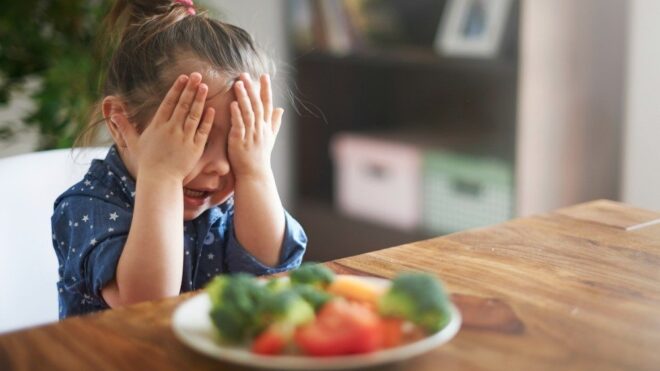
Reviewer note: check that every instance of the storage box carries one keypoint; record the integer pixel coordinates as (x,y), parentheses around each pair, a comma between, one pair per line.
(462,191)
(378,179)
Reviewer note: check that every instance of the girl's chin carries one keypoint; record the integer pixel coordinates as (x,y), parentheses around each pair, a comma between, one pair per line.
(194,207)
(189,215)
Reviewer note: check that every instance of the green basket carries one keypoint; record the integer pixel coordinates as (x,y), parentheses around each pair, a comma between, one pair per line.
(462,191)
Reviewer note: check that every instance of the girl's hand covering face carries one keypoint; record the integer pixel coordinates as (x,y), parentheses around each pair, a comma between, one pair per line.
(174,140)
(254,127)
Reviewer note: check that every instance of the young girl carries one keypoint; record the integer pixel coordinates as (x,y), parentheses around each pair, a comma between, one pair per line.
(186,192)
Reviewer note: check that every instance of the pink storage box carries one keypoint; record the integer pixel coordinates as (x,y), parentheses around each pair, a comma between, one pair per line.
(378,179)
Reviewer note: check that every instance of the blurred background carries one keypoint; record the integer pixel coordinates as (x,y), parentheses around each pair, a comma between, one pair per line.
(404,119)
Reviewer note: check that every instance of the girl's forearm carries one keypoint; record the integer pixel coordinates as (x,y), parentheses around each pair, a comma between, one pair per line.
(259,217)
(151,264)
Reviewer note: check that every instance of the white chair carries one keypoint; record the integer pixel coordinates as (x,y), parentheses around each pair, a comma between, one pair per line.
(29,185)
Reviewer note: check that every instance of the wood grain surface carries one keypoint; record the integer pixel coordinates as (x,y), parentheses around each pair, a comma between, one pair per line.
(576,289)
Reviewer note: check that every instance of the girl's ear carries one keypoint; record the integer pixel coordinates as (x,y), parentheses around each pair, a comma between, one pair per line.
(112,105)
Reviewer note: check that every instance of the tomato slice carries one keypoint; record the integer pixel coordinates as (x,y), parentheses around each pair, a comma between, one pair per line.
(270,342)
(341,327)
(392,332)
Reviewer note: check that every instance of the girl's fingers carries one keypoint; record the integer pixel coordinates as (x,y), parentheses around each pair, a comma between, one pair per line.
(245,107)
(277,120)
(255,100)
(196,111)
(166,108)
(237,126)
(266,96)
(184,104)
(128,132)
(204,128)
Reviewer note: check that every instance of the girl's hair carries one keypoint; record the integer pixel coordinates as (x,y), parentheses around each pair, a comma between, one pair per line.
(150,38)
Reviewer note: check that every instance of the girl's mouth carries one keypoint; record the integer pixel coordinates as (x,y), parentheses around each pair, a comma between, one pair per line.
(195,194)
(193,198)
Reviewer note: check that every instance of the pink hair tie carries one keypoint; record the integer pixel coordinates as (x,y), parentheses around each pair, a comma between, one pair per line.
(190,7)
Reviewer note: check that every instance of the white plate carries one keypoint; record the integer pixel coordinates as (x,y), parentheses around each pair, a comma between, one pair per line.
(192,325)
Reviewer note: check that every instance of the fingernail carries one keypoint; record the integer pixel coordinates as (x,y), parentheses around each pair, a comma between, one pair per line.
(183,78)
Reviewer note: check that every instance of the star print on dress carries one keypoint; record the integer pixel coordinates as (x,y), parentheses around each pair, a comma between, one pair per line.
(88,183)
(210,256)
(114,216)
(85,218)
(93,242)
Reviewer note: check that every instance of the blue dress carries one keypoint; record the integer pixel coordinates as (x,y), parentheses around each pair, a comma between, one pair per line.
(90,226)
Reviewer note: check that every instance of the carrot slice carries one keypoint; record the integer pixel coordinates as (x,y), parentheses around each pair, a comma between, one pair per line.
(357,289)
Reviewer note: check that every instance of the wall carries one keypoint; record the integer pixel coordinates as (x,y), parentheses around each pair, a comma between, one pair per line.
(641,172)
(570,104)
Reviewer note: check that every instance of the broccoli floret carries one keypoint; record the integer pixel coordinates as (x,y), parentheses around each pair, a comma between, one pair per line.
(278,284)
(419,298)
(312,274)
(235,306)
(285,308)
(314,296)
(216,287)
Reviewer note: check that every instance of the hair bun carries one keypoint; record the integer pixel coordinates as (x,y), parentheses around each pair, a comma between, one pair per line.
(142,9)
(127,13)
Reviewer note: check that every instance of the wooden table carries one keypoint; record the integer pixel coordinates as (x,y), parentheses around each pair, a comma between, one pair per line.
(577,289)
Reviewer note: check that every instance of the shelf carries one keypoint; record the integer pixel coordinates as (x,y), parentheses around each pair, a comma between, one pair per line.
(411,92)
(409,57)
(334,236)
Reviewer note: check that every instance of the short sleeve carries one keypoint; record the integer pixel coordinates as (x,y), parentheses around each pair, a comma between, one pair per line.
(291,253)
(90,234)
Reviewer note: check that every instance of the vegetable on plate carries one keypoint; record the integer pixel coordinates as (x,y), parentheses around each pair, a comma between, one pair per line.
(317,313)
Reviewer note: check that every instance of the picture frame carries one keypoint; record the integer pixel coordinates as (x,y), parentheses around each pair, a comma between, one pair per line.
(472,28)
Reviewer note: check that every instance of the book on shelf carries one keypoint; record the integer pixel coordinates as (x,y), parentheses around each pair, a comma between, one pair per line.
(335,20)
(346,26)
(324,25)
(302,24)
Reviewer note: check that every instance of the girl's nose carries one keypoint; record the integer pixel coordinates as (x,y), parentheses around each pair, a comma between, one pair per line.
(216,163)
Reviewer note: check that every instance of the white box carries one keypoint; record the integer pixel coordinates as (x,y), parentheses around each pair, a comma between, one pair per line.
(378,180)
